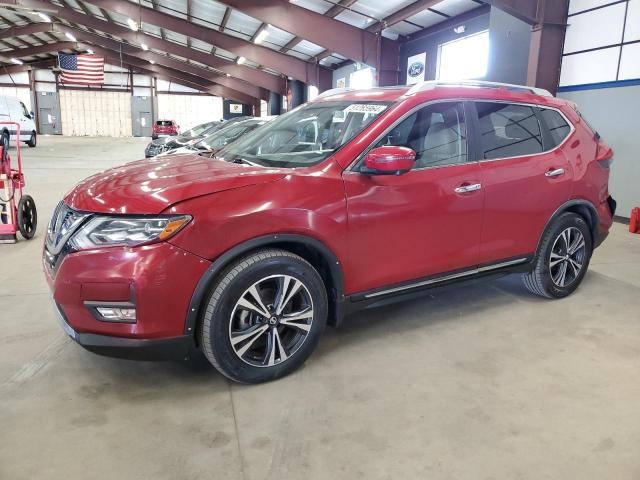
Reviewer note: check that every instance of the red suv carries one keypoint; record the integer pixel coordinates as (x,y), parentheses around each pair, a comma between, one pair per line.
(164,128)
(344,203)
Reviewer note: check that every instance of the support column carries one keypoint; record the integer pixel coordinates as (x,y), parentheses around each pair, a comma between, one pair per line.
(547,40)
(296,94)
(275,104)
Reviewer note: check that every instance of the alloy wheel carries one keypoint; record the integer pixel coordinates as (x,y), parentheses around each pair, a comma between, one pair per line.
(271,320)
(567,257)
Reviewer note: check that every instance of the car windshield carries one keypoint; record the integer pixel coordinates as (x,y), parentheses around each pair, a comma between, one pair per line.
(305,136)
(226,135)
(200,129)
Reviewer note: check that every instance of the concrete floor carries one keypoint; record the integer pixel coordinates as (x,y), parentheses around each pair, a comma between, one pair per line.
(480,381)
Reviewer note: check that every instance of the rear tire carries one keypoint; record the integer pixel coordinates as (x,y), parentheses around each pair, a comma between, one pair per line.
(562,258)
(248,346)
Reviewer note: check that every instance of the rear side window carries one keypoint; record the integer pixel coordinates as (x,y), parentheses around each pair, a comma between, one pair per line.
(557,125)
(508,130)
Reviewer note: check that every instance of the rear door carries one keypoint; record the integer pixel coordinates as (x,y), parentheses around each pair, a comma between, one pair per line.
(406,227)
(525,177)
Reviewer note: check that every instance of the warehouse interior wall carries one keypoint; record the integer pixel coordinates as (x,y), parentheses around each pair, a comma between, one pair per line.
(613,112)
(601,74)
(189,110)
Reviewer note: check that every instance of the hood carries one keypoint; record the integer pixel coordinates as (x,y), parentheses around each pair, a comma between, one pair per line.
(150,186)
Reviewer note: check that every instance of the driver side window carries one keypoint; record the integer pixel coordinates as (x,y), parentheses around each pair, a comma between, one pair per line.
(437,133)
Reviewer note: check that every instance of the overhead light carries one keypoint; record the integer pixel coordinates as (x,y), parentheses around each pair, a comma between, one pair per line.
(144,46)
(241,60)
(459,29)
(16,61)
(70,37)
(152,62)
(262,35)
(132,24)
(228,74)
(44,17)
(89,51)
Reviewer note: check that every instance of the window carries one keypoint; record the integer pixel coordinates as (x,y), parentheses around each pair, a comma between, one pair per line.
(557,125)
(508,130)
(362,78)
(437,133)
(464,59)
(25,112)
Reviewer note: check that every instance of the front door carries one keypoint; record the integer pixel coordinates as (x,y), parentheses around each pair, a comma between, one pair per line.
(425,222)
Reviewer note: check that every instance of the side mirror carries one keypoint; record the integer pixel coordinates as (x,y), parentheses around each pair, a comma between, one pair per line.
(33,115)
(389,160)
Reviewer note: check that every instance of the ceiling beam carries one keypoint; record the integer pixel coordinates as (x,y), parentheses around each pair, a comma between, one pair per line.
(402,14)
(113,57)
(242,87)
(525,10)
(334,35)
(101,41)
(285,64)
(334,11)
(245,74)
(25,67)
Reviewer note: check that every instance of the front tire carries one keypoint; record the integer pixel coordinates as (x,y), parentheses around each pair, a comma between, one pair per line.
(264,316)
(33,141)
(562,258)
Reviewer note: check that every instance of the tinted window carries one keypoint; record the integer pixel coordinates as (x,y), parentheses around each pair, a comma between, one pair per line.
(508,130)
(437,133)
(164,123)
(557,125)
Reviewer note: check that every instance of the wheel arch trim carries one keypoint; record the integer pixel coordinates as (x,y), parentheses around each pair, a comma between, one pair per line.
(273,240)
(567,207)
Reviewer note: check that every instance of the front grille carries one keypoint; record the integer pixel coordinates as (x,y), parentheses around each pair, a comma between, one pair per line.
(63,224)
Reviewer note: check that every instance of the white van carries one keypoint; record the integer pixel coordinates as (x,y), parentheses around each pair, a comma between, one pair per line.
(13,110)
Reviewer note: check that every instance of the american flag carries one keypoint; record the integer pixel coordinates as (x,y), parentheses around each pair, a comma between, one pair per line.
(81,69)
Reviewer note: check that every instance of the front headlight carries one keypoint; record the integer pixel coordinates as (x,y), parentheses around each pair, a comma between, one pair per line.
(102,231)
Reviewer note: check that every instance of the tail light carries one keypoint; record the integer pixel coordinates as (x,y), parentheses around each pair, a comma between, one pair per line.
(604,155)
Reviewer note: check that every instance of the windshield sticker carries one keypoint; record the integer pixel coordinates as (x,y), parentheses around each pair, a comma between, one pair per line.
(364,108)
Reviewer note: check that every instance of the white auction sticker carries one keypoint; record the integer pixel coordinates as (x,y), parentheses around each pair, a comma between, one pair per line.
(364,108)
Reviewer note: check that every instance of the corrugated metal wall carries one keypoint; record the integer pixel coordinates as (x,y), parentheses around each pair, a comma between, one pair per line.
(103,114)
(189,110)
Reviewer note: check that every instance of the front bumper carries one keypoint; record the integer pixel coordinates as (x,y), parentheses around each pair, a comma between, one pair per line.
(157,279)
(176,348)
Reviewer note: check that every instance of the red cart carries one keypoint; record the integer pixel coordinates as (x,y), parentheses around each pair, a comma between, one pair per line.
(17,211)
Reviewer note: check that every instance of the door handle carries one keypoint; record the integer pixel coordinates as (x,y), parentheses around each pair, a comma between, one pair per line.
(554,173)
(468,188)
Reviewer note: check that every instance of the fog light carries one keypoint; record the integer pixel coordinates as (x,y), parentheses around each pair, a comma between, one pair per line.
(122,312)
(117,314)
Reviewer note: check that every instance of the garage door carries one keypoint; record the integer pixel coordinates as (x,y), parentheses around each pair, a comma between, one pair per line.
(103,114)
(189,110)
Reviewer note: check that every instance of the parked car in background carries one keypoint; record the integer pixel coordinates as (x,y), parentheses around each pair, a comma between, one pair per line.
(167,143)
(164,128)
(230,132)
(355,199)
(13,110)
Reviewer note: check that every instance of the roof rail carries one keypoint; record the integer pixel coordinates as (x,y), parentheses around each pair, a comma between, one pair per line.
(432,84)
